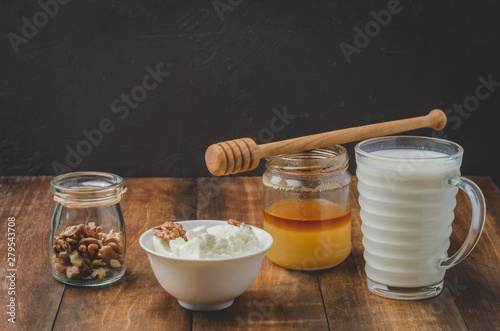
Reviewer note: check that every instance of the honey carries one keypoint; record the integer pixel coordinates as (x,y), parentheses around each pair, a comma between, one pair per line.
(309,234)
(307,207)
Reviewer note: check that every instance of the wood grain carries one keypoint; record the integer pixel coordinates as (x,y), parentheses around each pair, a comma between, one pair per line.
(137,301)
(475,283)
(38,294)
(279,299)
(350,305)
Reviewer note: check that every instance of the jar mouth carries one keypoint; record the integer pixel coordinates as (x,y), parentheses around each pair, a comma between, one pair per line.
(86,186)
(322,160)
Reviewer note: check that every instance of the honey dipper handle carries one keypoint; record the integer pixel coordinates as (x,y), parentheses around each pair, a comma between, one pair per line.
(436,119)
(230,157)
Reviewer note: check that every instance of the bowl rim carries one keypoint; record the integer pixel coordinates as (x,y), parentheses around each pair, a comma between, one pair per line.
(148,233)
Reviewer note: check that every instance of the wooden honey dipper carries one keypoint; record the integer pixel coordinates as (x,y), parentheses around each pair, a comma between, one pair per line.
(239,155)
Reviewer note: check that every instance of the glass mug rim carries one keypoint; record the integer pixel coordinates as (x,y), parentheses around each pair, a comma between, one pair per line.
(457,150)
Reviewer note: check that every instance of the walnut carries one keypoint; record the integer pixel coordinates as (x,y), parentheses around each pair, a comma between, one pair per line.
(84,250)
(114,263)
(75,259)
(98,273)
(117,247)
(98,263)
(60,245)
(85,270)
(88,241)
(89,246)
(64,256)
(169,231)
(73,240)
(112,237)
(60,265)
(72,230)
(234,222)
(72,271)
(107,253)
(92,250)
(61,262)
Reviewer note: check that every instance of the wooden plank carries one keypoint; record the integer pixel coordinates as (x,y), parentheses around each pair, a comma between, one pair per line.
(476,281)
(350,305)
(37,293)
(279,299)
(137,301)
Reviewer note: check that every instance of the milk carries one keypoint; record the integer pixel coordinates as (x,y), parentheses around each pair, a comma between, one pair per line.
(406,211)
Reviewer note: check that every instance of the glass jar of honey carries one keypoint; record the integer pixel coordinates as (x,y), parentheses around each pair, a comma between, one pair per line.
(307,208)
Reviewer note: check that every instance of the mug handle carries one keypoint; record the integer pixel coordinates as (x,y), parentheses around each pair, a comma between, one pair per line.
(477,224)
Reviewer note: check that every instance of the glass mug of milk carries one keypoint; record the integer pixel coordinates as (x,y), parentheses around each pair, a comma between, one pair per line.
(407,187)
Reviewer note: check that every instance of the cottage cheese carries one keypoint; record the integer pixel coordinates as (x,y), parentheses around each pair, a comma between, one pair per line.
(220,241)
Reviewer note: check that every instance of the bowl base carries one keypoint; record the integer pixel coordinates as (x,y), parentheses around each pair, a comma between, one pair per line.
(206,306)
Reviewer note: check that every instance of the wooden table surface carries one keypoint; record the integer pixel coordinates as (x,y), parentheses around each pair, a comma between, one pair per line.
(280,299)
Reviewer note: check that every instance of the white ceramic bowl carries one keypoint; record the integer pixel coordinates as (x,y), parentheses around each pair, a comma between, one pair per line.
(206,284)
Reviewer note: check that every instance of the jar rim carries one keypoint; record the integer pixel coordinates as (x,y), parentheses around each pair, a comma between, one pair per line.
(86,185)
(321,160)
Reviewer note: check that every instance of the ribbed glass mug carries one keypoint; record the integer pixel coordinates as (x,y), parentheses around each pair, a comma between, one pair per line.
(407,187)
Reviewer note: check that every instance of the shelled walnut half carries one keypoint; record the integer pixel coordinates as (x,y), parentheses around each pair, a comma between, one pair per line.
(169,231)
(83,251)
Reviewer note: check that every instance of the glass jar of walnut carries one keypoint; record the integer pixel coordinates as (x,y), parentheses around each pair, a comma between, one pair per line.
(87,235)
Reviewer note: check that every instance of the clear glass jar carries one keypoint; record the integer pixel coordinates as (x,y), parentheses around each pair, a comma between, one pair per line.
(87,235)
(307,208)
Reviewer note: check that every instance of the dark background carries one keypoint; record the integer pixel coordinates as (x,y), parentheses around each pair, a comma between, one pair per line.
(226,77)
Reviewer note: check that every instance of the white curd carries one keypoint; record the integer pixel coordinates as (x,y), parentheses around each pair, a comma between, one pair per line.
(220,241)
